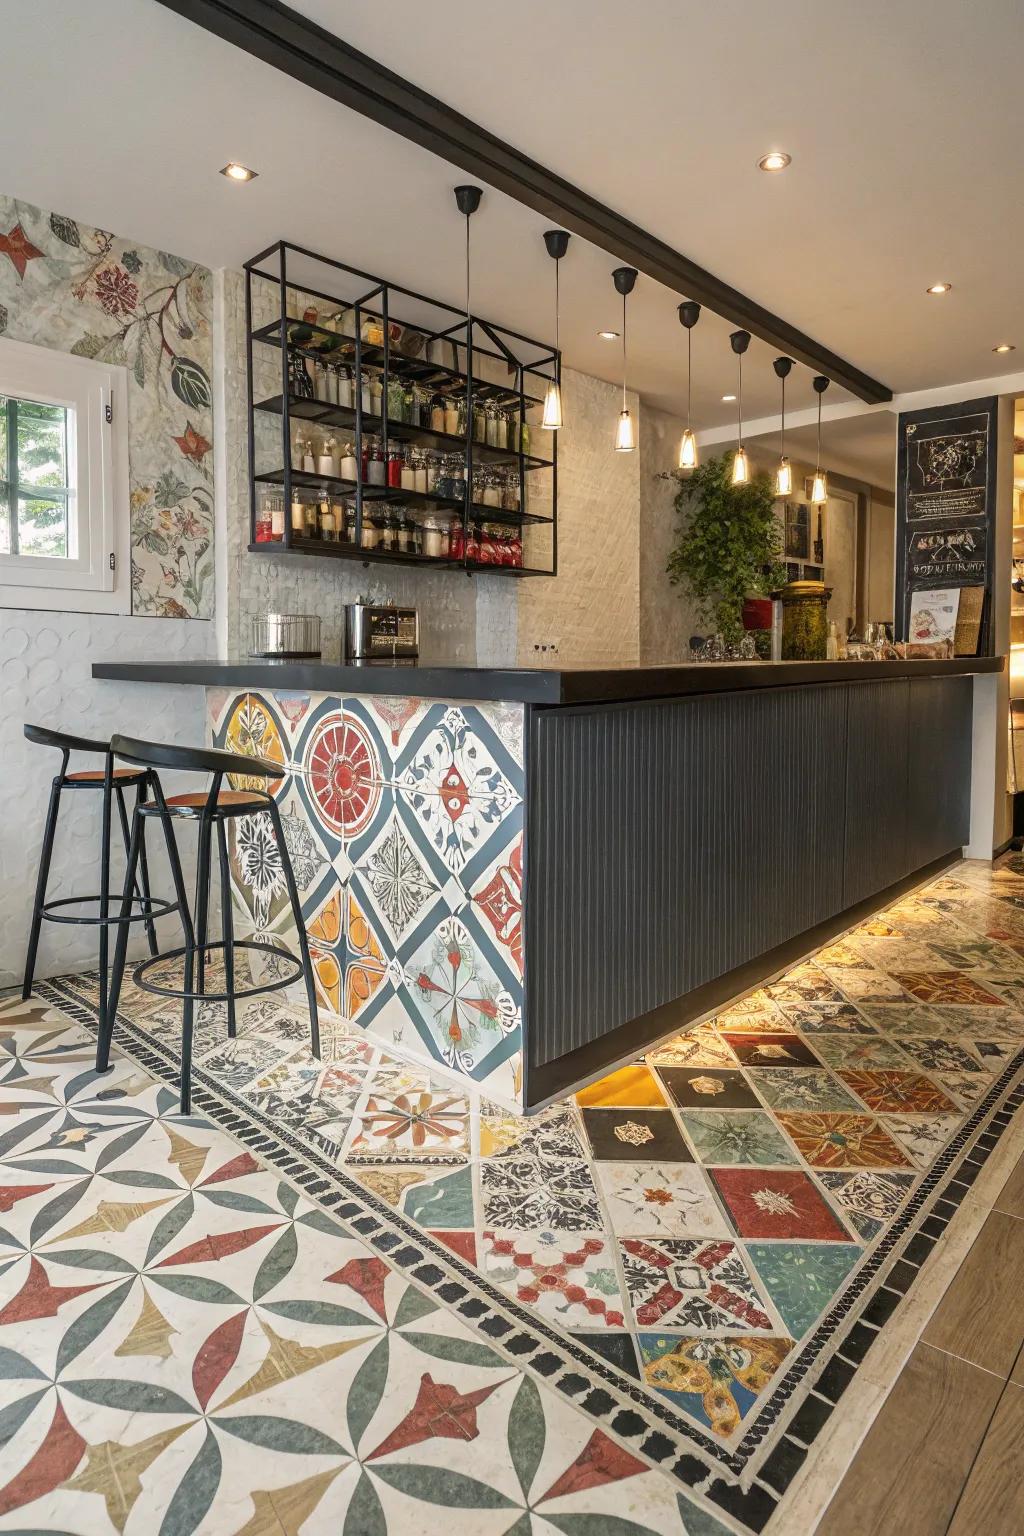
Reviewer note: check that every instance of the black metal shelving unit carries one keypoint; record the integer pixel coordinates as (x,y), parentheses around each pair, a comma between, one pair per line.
(479,349)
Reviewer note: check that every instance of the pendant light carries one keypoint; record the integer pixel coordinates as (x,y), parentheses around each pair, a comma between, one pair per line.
(819,485)
(689,314)
(557,242)
(740,341)
(784,473)
(467,199)
(625,441)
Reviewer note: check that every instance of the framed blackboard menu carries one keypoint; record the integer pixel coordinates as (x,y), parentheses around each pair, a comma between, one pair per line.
(945,506)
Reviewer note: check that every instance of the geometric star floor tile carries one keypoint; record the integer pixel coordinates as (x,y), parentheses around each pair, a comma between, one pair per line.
(868,1199)
(642,1135)
(842,1141)
(413,1125)
(715,1380)
(896,1092)
(736,1136)
(771,1202)
(708,1088)
(922,1136)
(660,1200)
(692,1284)
(802,1088)
(802,1278)
(568,1277)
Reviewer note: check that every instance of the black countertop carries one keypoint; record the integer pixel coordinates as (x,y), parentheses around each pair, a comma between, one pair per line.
(529,685)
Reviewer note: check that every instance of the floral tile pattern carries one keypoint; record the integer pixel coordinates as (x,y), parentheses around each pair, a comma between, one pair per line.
(691,1240)
(64,284)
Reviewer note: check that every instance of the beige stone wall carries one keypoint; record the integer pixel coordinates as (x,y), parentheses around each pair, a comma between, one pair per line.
(667,619)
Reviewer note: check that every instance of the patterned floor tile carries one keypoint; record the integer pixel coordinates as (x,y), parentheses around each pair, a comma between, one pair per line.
(866,985)
(829,1019)
(861,1051)
(947,986)
(736,1136)
(896,1092)
(869,1200)
(660,1200)
(715,1380)
(700,1047)
(692,1284)
(640,1135)
(805,1088)
(417,1126)
(553,1135)
(708,1088)
(802,1278)
(769,1202)
(772,1050)
(843,1141)
(805,984)
(569,1278)
(756,1012)
(939,1055)
(634,1086)
(533,1193)
(923,1136)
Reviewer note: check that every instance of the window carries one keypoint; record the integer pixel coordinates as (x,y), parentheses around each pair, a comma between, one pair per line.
(64,538)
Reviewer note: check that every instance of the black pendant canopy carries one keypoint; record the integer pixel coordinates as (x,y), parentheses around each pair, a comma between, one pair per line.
(557,242)
(624,278)
(783,367)
(468,199)
(739,341)
(689,314)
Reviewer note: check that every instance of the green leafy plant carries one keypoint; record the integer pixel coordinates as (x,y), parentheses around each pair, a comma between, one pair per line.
(729,545)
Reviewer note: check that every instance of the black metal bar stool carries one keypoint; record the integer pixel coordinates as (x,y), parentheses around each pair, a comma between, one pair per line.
(211,808)
(112,783)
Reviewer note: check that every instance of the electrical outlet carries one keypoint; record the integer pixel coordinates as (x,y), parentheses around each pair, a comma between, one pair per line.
(546,647)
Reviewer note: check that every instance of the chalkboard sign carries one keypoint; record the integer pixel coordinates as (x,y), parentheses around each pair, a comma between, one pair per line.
(945,504)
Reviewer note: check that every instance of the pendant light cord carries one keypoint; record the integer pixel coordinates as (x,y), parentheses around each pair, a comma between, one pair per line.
(739,403)
(818,465)
(623,351)
(689,374)
(782,444)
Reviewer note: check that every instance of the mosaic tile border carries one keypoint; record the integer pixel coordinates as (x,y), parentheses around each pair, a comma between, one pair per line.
(737,1480)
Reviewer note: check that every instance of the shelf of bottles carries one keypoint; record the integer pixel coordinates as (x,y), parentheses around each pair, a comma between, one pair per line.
(386,426)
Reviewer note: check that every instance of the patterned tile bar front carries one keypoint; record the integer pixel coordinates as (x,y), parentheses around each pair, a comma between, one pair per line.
(404,823)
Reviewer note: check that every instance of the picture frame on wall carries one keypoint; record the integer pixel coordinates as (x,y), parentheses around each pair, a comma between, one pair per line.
(797,530)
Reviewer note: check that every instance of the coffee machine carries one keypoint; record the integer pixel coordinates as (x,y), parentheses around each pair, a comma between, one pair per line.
(381,632)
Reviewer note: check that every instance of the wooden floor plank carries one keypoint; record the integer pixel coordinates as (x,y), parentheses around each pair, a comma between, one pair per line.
(909,1472)
(980,1317)
(993,1500)
(1011,1197)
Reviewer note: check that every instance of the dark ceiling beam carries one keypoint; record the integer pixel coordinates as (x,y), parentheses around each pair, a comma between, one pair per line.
(282,38)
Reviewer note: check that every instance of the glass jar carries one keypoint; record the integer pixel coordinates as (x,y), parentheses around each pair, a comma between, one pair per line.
(396,400)
(437,413)
(298,517)
(348,528)
(344,395)
(300,382)
(365,400)
(524,437)
(264,528)
(327,456)
(411,405)
(305,453)
(433,544)
(370,537)
(433,472)
(376,395)
(492,427)
(376,470)
(276,518)
(451,416)
(419,474)
(408,475)
(403,532)
(456,539)
(515,548)
(479,423)
(325,526)
(395,468)
(510,491)
(805,620)
(348,468)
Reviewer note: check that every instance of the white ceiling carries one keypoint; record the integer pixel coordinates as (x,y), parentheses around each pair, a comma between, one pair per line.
(902,121)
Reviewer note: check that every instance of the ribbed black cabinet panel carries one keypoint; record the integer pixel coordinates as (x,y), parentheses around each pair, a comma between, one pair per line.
(939,767)
(669,843)
(875,849)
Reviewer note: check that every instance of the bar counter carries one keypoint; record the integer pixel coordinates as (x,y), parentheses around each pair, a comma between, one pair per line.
(529,875)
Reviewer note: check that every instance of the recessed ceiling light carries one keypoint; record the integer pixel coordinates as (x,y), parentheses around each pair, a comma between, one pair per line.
(235,172)
(775,160)
(939,287)
(1005,346)
(728,397)
(608,335)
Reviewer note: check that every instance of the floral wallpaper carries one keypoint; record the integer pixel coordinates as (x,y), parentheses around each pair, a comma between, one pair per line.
(77,289)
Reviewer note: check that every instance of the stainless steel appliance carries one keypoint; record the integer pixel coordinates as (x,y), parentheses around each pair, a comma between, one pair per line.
(295,636)
(381,632)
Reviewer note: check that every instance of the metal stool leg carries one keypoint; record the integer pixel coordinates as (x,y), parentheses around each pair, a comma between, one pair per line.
(108,1010)
(227,924)
(293,896)
(202,900)
(141,887)
(105,898)
(49,832)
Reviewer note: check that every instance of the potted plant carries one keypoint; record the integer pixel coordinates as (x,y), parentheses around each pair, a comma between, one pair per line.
(729,544)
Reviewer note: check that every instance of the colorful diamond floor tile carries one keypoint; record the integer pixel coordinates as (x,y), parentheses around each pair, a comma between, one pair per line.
(708,1088)
(947,987)
(642,1135)
(801,1088)
(682,1283)
(660,1200)
(716,1380)
(772,1050)
(868,1199)
(770,1202)
(632,1087)
(894,1092)
(570,1278)
(842,1141)
(802,1278)
(736,1136)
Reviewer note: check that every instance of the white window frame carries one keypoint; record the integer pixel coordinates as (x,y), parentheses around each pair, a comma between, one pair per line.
(96,575)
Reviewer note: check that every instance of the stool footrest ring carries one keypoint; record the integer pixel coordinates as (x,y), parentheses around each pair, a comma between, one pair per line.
(138,975)
(150,907)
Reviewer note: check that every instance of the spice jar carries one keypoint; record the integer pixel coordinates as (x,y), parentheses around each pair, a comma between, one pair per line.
(492,426)
(376,470)
(437,413)
(348,468)
(408,475)
(327,456)
(805,620)
(344,385)
(451,416)
(419,472)
(432,540)
(370,536)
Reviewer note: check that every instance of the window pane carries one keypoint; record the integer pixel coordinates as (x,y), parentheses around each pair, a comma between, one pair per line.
(5,523)
(3,437)
(42,444)
(42,526)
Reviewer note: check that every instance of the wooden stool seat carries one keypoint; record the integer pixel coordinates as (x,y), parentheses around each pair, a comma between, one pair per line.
(236,797)
(96,775)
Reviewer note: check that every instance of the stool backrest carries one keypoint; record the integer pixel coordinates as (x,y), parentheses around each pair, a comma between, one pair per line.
(63,742)
(158,754)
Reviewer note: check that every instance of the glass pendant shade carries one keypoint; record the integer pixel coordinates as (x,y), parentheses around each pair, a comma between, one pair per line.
(624,440)
(552,418)
(688,451)
(784,478)
(740,467)
(819,488)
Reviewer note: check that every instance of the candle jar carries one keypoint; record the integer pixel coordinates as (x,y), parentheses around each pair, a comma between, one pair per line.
(805,620)
(276,519)
(419,474)
(376,395)
(327,456)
